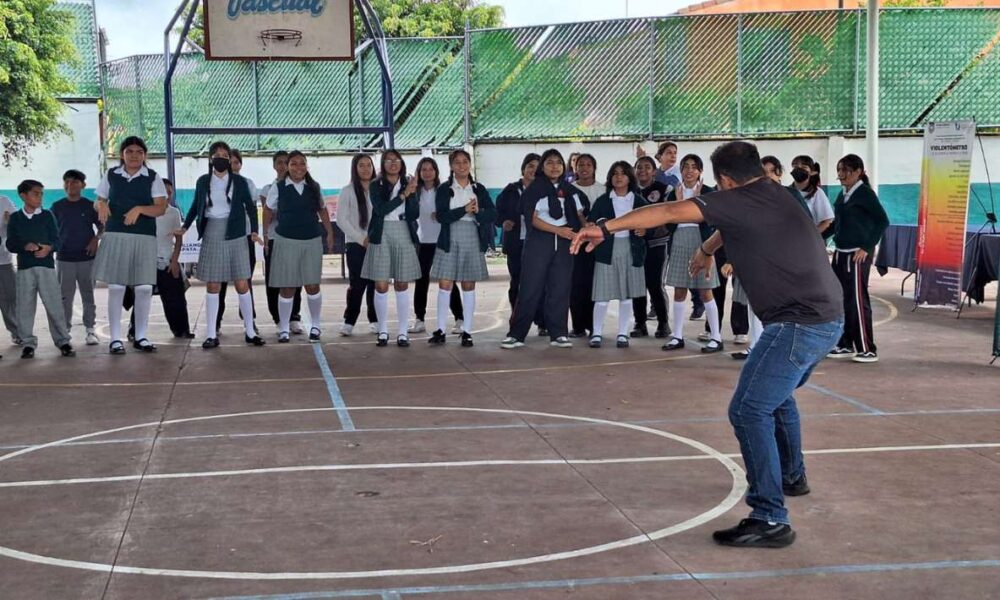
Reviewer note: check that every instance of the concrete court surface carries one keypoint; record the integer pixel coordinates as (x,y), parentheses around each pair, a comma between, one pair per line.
(343,470)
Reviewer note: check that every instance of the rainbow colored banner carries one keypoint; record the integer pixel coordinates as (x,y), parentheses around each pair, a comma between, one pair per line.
(944,207)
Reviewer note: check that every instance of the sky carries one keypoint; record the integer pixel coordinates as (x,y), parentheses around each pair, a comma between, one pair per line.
(121,18)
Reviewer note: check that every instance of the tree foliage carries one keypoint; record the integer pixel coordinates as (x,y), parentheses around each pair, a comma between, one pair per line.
(408,18)
(35,38)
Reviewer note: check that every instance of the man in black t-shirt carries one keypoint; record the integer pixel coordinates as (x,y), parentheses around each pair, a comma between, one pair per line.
(783,267)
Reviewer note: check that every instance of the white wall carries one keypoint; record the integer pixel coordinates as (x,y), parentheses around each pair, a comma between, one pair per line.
(81,151)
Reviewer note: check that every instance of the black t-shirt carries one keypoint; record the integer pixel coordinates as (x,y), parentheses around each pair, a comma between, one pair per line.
(776,252)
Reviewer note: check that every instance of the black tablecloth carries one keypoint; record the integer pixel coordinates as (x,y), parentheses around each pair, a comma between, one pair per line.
(982,257)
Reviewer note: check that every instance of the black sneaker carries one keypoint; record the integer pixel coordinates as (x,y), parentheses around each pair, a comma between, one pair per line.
(254,341)
(543,332)
(698,313)
(28,352)
(438,338)
(67,350)
(799,488)
(210,343)
(640,331)
(184,336)
(578,333)
(753,533)
(466,339)
(662,331)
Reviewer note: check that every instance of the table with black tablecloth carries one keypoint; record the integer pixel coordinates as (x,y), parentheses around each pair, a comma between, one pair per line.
(982,257)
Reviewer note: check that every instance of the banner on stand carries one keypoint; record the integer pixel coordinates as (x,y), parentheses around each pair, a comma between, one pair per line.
(944,207)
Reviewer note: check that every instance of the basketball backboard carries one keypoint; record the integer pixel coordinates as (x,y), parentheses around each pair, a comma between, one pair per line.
(279,29)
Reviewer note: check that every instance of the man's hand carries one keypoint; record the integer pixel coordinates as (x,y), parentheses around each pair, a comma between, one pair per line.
(591,235)
(701,262)
(860,256)
(508,225)
(91,248)
(174,269)
(103,212)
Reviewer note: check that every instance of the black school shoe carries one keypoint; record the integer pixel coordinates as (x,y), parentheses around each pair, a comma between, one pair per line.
(622,341)
(402,341)
(754,533)
(67,350)
(467,339)
(254,341)
(210,343)
(144,345)
(184,336)
(382,340)
(437,338)
(662,331)
(800,487)
(712,347)
(28,352)
(640,331)
(673,344)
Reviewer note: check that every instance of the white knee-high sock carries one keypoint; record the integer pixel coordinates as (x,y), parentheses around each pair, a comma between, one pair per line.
(116,294)
(246,308)
(468,309)
(382,310)
(315,309)
(403,311)
(600,313)
(624,316)
(444,297)
(712,314)
(211,314)
(143,302)
(678,328)
(285,306)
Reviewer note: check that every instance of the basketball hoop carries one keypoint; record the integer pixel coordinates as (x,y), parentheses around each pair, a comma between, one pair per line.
(280,35)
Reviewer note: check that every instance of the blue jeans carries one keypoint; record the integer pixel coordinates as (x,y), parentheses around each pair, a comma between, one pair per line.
(763,411)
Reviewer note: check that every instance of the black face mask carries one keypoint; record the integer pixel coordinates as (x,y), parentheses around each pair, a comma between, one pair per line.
(800,175)
(220,164)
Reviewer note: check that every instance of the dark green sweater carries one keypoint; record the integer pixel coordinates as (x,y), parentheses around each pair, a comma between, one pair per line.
(860,221)
(446,216)
(604,208)
(41,229)
(382,205)
(242,207)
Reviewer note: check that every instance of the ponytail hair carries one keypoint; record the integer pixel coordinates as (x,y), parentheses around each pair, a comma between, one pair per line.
(814,179)
(216,146)
(309,180)
(854,163)
(451,159)
(360,192)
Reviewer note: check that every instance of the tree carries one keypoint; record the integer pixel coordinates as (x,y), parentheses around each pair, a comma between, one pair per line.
(407,18)
(35,38)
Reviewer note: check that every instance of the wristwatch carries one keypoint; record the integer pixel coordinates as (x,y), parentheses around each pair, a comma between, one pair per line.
(603,224)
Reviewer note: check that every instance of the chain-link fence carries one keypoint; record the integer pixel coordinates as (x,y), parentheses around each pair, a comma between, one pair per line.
(775,74)
(84,74)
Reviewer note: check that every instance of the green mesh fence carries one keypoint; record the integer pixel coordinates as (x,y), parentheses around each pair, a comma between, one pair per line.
(85,74)
(702,76)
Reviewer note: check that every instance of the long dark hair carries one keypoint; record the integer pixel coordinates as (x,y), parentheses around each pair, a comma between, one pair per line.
(229,185)
(434,165)
(814,181)
(309,180)
(854,163)
(451,159)
(652,164)
(132,140)
(547,155)
(402,167)
(360,192)
(633,181)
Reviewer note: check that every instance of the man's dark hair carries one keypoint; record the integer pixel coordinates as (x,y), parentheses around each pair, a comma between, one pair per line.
(75,175)
(739,161)
(27,185)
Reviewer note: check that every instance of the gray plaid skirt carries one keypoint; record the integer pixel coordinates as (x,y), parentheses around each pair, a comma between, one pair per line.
(222,260)
(619,280)
(686,243)
(395,259)
(295,263)
(465,261)
(126,259)
(739,294)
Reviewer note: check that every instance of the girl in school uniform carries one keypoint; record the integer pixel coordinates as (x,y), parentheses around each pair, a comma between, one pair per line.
(858,225)
(652,191)
(392,244)
(581,307)
(223,202)
(428,230)
(805,173)
(686,238)
(354,210)
(298,244)
(618,274)
(553,212)
(129,199)
(466,213)
(510,218)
